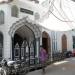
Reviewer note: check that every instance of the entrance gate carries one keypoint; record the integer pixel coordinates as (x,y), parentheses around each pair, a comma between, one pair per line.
(25,36)
(24,45)
(25,52)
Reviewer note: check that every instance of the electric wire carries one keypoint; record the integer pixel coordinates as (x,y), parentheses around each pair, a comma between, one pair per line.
(70,10)
(52,3)
(70,23)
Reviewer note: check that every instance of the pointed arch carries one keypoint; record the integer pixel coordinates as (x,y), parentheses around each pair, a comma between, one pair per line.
(16,51)
(29,31)
(46,42)
(24,22)
(64,43)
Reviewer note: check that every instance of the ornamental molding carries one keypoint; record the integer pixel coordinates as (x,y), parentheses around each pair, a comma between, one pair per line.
(25,22)
(3,2)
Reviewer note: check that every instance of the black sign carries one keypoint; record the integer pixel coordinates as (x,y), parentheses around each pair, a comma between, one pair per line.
(26,11)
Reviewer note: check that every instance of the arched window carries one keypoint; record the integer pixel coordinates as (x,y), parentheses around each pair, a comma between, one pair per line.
(1,17)
(17,51)
(1,45)
(14,11)
(64,43)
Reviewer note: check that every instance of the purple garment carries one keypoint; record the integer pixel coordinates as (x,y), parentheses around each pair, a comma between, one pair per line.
(43,55)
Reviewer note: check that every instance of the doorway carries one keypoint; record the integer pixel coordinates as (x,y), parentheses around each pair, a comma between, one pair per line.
(24,45)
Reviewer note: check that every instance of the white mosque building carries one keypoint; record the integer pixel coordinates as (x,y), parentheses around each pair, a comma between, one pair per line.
(21,35)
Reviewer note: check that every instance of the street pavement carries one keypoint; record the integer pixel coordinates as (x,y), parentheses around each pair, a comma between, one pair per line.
(65,67)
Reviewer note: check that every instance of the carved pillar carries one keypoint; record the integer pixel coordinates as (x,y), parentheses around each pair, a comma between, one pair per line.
(12,48)
(37,48)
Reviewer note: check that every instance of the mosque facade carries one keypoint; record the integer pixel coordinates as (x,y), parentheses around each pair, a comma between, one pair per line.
(21,35)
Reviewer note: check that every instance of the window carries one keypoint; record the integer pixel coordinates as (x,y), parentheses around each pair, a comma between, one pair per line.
(1,45)
(14,11)
(16,50)
(1,17)
(64,43)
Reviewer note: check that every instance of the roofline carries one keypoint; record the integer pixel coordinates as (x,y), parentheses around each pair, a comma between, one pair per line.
(3,2)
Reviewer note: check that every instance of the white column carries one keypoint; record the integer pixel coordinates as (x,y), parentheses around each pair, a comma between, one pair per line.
(37,46)
(7,46)
(51,46)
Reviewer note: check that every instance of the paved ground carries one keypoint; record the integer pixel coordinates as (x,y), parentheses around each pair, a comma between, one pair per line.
(66,67)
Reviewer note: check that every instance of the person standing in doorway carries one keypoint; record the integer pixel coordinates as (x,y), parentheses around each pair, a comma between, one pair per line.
(43,58)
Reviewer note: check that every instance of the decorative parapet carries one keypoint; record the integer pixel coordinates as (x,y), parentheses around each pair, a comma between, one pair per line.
(27,22)
(3,2)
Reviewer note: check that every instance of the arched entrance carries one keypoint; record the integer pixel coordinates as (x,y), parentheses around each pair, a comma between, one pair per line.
(24,42)
(25,36)
(1,46)
(46,42)
(64,43)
